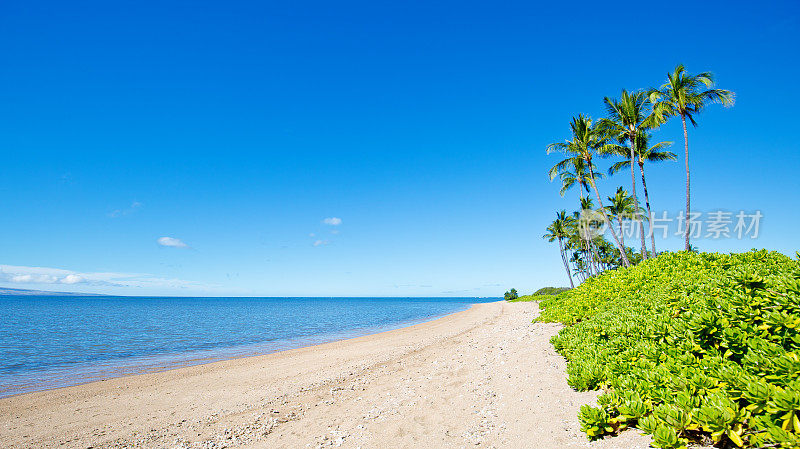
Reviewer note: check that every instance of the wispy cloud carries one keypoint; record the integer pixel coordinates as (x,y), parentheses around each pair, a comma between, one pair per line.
(172,242)
(320,242)
(453,292)
(332,221)
(127,211)
(44,275)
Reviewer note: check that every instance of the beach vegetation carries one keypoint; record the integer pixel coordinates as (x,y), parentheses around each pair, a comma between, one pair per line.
(691,348)
(550,291)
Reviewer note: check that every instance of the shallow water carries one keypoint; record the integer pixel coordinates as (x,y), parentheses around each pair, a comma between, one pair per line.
(54,341)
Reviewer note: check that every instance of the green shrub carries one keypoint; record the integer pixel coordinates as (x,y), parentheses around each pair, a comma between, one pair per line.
(511,295)
(537,295)
(688,347)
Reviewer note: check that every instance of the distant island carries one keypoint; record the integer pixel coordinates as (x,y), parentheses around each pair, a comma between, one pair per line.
(25,292)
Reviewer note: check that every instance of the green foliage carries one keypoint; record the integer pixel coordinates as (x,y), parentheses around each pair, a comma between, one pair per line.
(538,294)
(688,347)
(550,291)
(511,295)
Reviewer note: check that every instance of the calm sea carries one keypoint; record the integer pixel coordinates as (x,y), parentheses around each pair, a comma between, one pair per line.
(55,341)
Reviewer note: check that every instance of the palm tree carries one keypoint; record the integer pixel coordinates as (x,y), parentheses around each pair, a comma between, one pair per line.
(586,222)
(686,95)
(627,117)
(577,243)
(578,263)
(621,206)
(586,139)
(644,153)
(572,172)
(582,232)
(558,231)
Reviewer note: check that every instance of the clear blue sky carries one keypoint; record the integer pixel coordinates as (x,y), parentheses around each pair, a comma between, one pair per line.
(236,128)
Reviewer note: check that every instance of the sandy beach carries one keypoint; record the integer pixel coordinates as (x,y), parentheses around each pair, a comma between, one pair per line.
(484,377)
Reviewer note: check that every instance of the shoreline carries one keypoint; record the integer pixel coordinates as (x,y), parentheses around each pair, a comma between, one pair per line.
(482,376)
(138,365)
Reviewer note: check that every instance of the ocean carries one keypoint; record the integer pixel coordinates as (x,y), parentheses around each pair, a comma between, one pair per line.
(56,341)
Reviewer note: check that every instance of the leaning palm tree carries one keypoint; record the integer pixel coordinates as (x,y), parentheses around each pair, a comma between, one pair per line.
(685,95)
(558,231)
(644,153)
(627,117)
(586,140)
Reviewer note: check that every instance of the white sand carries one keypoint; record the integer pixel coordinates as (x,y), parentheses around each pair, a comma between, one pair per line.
(485,377)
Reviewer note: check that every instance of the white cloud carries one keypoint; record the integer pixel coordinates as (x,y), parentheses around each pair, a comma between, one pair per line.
(72,279)
(333,221)
(320,242)
(171,242)
(44,275)
(121,212)
(311,234)
(334,231)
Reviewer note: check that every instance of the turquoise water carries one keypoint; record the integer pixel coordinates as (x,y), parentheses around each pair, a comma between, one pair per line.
(54,341)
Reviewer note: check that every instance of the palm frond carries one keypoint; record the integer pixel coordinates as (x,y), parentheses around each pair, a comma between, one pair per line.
(619,166)
(659,156)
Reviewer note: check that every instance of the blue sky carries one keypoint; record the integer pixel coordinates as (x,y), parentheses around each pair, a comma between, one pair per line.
(236,128)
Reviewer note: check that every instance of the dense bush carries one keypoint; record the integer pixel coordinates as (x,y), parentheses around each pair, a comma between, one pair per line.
(688,348)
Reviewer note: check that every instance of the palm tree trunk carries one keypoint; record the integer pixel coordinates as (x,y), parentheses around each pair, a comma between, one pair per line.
(621,248)
(587,253)
(587,250)
(581,272)
(649,214)
(564,259)
(636,199)
(688,208)
(592,258)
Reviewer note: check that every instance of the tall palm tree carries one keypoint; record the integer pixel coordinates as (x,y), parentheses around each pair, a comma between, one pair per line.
(558,231)
(627,117)
(586,140)
(685,95)
(644,153)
